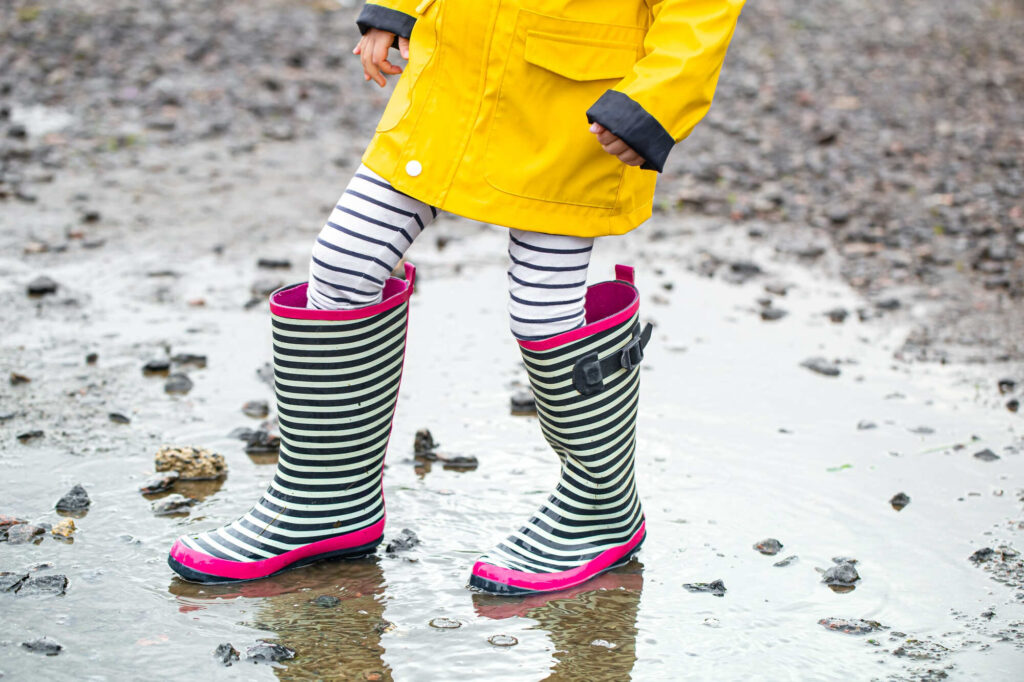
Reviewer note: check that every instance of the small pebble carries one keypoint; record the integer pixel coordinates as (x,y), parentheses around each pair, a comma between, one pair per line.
(158,483)
(851,626)
(27,436)
(786,562)
(986,455)
(65,528)
(821,366)
(716,587)
(76,499)
(768,546)
(25,532)
(424,443)
(406,540)
(190,360)
(119,418)
(1006,386)
(91,358)
(327,601)
(273,263)
(523,403)
(982,555)
(773,314)
(899,501)
(266,652)
(55,585)
(172,504)
(156,367)
(225,653)
(866,425)
(41,286)
(17,378)
(178,384)
(257,409)
(44,646)
(837,315)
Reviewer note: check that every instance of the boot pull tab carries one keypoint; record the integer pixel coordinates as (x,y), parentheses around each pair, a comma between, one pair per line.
(589,372)
(624,273)
(410,274)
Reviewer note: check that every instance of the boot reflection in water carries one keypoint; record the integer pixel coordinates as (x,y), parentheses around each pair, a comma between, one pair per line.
(332,641)
(592,627)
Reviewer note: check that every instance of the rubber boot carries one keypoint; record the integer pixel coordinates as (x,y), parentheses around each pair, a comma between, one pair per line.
(336,376)
(586,383)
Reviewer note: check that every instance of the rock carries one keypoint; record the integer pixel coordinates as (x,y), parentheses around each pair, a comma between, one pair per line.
(273,263)
(445,623)
(192,464)
(773,314)
(190,360)
(91,358)
(922,430)
(899,501)
(523,403)
(327,601)
(740,271)
(260,441)
(27,436)
(75,499)
(225,654)
(986,455)
(920,650)
(9,582)
(768,546)
(837,315)
(159,482)
(424,443)
(25,532)
(777,288)
(842,574)
(157,367)
(44,646)
(6,521)
(172,504)
(800,249)
(821,366)
(41,286)
(786,562)
(865,425)
(1013,405)
(178,384)
(119,418)
(982,555)
(257,409)
(888,304)
(851,626)
(405,541)
(717,587)
(54,585)
(64,529)
(1006,386)
(267,652)
(17,379)
(460,462)
(502,640)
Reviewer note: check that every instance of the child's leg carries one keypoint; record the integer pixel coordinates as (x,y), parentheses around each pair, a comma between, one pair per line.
(547,281)
(368,232)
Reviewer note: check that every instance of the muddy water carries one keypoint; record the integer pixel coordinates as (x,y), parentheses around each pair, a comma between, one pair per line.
(737,443)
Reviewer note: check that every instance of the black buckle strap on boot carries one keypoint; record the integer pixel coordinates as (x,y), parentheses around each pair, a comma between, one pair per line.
(589,371)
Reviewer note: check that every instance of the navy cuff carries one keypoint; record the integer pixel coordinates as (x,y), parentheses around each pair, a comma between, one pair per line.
(385,19)
(621,115)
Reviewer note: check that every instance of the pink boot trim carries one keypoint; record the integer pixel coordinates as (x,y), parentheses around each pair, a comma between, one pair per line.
(548,582)
(249,570)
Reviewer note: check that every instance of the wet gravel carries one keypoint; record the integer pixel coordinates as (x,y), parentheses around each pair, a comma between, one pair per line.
(876,141)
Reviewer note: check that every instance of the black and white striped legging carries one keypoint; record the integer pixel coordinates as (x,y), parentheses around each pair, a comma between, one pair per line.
(373,225)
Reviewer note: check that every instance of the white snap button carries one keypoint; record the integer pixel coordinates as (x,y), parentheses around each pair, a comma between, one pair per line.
(414,168)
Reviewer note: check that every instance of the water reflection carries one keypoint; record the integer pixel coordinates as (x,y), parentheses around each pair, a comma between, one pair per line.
(334,641)
(593,626)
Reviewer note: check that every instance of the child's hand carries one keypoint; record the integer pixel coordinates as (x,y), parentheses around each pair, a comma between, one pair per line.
(615,146)
(373,52)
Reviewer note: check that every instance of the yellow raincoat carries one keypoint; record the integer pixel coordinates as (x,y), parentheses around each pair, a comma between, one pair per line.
(489,120)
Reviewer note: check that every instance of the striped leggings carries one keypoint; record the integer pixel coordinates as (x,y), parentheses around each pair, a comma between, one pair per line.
(373,225)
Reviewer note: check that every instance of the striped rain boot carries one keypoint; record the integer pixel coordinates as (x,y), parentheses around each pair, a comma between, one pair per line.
(336,376)
(587,384)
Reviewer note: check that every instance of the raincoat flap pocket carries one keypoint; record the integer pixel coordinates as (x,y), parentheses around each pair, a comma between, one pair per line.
(580,59)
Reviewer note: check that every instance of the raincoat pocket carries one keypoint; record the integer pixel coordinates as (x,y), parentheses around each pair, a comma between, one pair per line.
(422,45)
(538,144)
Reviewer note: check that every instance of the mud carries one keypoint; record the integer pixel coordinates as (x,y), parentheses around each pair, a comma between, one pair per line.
(860,171)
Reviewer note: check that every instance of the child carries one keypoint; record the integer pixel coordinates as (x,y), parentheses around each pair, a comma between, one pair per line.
(489,120)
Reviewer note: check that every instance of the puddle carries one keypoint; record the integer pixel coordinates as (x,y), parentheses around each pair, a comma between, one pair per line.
(737,443)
